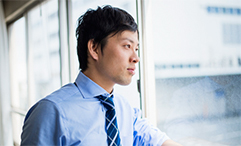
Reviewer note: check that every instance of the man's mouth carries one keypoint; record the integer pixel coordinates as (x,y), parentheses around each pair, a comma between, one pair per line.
(131,70)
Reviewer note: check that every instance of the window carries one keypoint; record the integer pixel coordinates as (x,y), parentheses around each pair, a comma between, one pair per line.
(18,70)
(196,53)
(190,64)
(44,50)
(34,60)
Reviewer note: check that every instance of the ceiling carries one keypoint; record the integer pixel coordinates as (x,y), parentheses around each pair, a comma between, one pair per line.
(14,9)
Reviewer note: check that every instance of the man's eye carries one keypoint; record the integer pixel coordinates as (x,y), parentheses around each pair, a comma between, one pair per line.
(128,46)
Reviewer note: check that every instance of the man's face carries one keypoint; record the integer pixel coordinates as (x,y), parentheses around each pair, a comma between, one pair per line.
(117,62)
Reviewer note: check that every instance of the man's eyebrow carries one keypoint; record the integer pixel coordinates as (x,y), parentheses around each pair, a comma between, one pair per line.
(130,40)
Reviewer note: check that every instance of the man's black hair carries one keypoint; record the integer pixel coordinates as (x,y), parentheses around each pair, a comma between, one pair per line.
(97,25)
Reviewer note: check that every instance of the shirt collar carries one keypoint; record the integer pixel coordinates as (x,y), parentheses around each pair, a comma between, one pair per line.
(89,88)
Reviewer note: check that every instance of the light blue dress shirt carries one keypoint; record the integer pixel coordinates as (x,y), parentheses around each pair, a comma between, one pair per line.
(73,116)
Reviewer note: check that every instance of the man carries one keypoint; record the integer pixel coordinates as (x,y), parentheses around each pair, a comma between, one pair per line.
(89,112)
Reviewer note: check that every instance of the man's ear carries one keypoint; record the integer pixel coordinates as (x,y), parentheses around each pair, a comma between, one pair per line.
(93,49)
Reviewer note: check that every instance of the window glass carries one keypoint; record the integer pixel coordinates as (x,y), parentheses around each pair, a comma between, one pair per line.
(44,50)
(18,64)
(79,7)
(18,70)
(17,121)
(34,60)
(197,70)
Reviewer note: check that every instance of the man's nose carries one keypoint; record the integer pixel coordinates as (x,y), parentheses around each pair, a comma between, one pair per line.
(135,58)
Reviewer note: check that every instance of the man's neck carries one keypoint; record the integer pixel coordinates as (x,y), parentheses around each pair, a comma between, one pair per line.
(98,79)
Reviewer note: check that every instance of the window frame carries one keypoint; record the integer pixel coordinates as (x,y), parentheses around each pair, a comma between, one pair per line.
(147,70)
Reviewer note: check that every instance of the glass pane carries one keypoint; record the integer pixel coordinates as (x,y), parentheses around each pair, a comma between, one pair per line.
(197,70)
(79,7)
(18,64)
(44,50)
(17,121)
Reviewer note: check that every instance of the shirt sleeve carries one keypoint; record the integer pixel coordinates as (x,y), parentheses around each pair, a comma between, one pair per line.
(43,125)
(146,134)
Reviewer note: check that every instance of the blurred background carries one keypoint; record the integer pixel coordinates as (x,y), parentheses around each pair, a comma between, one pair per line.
(188,79)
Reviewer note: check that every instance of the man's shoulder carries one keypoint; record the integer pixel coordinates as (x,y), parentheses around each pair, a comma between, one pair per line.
(56,100)
(67,92)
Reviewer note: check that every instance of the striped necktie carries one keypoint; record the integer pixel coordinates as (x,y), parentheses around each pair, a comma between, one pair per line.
(112,131)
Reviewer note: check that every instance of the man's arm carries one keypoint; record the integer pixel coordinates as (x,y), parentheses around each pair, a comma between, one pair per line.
(42,125)
(170,143)
(146,134)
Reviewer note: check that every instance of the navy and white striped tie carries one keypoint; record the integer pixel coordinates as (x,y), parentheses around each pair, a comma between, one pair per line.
(112,131)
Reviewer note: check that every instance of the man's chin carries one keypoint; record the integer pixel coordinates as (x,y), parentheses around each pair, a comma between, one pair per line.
(125,83)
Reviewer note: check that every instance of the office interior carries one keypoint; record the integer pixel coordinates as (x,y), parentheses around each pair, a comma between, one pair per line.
(188,79)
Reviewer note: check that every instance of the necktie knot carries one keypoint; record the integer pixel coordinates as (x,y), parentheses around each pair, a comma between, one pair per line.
(107,101)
